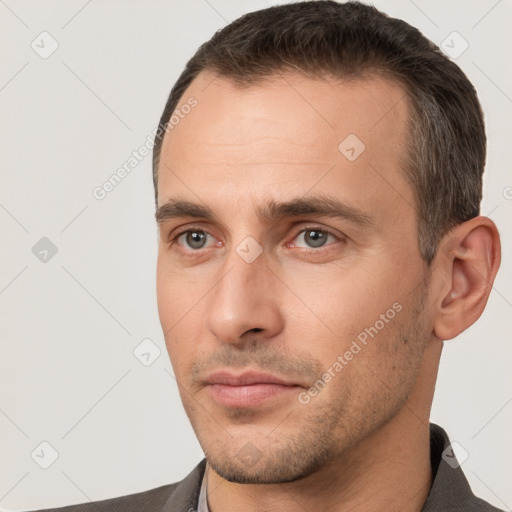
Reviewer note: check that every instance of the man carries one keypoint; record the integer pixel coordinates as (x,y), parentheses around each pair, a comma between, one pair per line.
(318,175)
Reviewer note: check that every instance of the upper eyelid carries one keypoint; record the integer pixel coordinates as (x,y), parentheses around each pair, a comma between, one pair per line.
(179,232)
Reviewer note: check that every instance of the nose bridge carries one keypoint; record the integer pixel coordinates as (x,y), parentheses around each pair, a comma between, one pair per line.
(243,281)
(242,299)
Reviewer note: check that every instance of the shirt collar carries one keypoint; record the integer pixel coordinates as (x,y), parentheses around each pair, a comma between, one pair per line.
(202,504)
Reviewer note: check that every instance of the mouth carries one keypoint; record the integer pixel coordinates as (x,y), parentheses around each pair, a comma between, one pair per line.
(248,389)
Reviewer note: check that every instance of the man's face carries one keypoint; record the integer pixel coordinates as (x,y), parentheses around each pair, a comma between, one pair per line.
(263,285)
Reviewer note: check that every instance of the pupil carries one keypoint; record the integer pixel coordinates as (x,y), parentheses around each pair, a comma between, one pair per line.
(315,238)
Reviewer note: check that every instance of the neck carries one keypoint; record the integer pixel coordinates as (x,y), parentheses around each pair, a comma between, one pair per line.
(389,470)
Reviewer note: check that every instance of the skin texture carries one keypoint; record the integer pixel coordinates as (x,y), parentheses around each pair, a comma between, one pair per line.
(362,440)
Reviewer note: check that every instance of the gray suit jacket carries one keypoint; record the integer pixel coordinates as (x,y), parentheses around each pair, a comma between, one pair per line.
(450,491)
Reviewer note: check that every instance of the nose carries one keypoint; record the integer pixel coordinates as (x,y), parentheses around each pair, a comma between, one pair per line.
(245,301)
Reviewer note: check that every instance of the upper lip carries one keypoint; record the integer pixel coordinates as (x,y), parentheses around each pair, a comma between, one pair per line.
(245,379)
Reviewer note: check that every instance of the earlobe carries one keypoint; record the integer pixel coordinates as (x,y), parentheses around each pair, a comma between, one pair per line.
(468,257)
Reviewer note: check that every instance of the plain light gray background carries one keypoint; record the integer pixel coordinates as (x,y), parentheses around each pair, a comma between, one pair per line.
(69,326)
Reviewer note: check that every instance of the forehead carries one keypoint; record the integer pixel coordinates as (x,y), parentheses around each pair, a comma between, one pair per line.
(290,132)
(322,106)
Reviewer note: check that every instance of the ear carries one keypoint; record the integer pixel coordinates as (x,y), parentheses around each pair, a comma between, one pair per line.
(467,261)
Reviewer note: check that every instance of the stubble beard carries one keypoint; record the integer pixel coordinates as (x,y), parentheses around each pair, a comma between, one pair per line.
(325,433)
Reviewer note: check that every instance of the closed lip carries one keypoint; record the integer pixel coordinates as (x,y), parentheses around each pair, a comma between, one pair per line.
(247,378)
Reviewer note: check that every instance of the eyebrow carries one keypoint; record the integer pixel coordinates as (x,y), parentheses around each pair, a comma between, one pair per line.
(318,205)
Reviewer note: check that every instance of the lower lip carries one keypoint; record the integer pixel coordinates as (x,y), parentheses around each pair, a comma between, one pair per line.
(248,396)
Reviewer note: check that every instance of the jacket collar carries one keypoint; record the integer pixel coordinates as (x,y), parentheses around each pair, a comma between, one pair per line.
(185,496)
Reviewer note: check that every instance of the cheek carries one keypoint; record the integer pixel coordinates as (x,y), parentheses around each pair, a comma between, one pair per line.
(162,283)
(177,310)
(339,302)
(356,314)
(175,293)
(181,344)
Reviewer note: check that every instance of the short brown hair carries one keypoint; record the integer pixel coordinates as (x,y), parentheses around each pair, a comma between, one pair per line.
(445,157)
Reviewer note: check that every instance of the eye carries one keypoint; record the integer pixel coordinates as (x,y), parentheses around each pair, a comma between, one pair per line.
(194,239)
(314,238)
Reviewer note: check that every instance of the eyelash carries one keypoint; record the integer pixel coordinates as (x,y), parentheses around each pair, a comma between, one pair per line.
(175,236)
